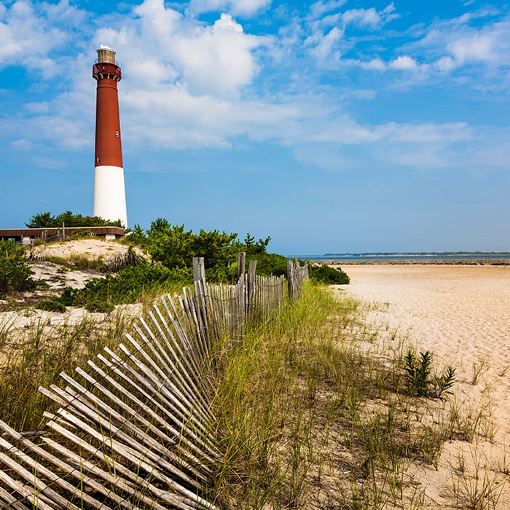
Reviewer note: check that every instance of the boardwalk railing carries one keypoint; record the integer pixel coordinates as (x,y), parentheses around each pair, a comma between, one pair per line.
(133,428)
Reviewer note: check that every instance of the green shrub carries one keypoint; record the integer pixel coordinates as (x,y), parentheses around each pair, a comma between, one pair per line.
(11,250)
(99,307)
(270,264)
(69,219)
(80,234)
(419,379)
(127,286)
(51,305)
(15,274)
(328,275)
(175,247)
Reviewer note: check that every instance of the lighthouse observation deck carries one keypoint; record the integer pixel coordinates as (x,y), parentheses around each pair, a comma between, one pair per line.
(106,55)
(106,65)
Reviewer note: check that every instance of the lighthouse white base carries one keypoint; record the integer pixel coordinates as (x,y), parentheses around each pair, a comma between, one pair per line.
(110,193)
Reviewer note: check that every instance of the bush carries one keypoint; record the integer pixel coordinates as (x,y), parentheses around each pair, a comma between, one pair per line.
(99,307)
(328,275)
(69,219)
(15,274)
(51,305)
(175,247)
(270,264)
(127,286)
(419,379)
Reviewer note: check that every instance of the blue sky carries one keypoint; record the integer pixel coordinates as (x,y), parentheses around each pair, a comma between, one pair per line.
(336,125)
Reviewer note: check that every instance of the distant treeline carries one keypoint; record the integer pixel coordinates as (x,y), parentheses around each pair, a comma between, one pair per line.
(69,219)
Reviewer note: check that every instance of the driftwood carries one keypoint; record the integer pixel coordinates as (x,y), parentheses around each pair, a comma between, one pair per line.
(133,429)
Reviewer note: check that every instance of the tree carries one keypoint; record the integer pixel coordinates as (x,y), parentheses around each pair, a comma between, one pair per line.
(41,220)
(69,219)
(256,247)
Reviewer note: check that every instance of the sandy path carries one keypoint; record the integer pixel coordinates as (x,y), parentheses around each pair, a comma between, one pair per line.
(462,314)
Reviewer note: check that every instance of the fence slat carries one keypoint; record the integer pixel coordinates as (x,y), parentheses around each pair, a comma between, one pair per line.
(137,432)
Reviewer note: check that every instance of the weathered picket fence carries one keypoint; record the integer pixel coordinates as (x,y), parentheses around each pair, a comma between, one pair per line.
(296,275)
(133,429)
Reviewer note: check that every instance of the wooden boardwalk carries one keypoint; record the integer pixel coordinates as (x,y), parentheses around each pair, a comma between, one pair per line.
(133,428)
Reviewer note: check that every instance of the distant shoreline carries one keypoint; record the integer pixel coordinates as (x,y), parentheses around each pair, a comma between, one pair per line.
(500,258)
(430,262)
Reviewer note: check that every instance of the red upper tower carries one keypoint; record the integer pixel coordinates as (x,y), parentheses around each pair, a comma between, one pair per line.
(108,137)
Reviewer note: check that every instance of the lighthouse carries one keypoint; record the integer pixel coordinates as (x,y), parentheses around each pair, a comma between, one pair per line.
(109,189)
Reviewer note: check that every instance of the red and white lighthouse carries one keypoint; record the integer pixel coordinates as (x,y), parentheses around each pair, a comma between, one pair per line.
(109,188)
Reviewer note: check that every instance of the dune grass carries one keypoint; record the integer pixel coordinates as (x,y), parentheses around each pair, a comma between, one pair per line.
(311,412)
(311,417)
(35,356)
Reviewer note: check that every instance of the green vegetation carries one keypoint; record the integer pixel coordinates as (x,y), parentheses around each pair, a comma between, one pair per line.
(69,219)
(171,249)
(129,285)
(419,379)
(174,247)
(311,418)
(15,274)
(34,356)
(51,305)
(328,275)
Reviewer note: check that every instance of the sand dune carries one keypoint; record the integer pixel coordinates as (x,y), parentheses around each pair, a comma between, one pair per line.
(462,314)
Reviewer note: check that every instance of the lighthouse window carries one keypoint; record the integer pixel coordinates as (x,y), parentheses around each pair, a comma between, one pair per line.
(117,134)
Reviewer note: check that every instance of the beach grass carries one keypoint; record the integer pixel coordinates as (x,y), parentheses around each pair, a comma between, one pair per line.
(311,417)
(313,409)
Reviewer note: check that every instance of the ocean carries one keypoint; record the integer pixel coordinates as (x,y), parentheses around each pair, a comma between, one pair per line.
(416,257)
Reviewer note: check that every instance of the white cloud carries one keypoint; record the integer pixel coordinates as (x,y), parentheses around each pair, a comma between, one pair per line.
(364,18)
(404,63)
(29,33)
(452,44)
(189,84)
(318,9)
(213,59)
(448,46)
(369,18)
(236,7)
(475,47)
(326,50)
(327,26)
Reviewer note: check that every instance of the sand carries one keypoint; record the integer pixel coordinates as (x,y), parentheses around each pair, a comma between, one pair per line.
(462,314)
(91,249)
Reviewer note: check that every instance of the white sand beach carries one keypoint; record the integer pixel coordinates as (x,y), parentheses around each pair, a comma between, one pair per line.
(462,315)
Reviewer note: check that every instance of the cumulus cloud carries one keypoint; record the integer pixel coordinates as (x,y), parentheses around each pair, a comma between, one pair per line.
(404,63)
(165,47)
(29,33)
(236,7)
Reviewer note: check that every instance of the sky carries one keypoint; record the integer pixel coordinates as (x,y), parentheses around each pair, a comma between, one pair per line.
(331,126)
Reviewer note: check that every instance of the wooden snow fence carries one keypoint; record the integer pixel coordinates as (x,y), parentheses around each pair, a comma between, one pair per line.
(133,429)
(296,275)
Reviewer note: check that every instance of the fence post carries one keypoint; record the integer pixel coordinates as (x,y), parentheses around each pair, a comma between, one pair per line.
(290,278)
(241,264)
(252,275)
(198,269)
